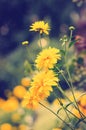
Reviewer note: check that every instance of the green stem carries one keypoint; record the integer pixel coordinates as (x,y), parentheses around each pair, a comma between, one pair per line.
(80,120)
(70,79)
(63,76)
(61,104)
(59,87)
(66,82)
(57,116)
(40,40)
(71,87)
(72,113)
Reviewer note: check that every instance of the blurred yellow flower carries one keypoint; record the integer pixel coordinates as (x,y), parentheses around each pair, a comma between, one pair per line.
(82,106)
(47,58)
(10,105)
(6,126)
(57,129)
(19,91)
(82,100)
(23,127)
(25,42)
(25,81)
(77,94)
(41,27)
(2,101)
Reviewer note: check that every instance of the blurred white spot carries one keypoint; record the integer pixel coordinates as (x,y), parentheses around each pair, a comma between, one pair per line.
(29,119)
(42,42)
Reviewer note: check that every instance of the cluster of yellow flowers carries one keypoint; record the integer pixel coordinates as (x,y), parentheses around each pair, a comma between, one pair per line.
(11,110)
(7,126)
(46,77)
(14,97)
(42,82)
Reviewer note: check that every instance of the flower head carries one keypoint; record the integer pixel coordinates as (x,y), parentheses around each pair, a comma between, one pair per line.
(71,28)
(6,126)
(41,27)
(25,42)
(10,105)
(43,82)
(30,100)
(19,91)
(25,81)
(57,129)
(40,88)
(47,58)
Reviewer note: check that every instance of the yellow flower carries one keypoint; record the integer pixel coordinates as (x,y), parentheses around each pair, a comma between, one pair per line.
(23,127)
(41,27)
(25,42)
(2,101)
(10,105)
(19,91)
(30,101)
(6,126)
(82,106)
(83,100)
(42,83)
(47,58)
(25,81)
(57,129)
(44,80)
(41,86)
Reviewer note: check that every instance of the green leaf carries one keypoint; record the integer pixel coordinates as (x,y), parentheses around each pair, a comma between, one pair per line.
(62,52)
(73,42)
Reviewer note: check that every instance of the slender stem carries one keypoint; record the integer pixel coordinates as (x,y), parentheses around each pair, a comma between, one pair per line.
(71,87)
(71,33)
(61,104)
(40,40)
(68,100)
(63,76)
(70,79)
(80,120)
(64,109)
(66,82)
(72,113)
(57,116)
(60,89)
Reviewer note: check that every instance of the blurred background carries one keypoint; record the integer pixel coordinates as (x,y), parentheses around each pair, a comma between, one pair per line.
(16,17)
